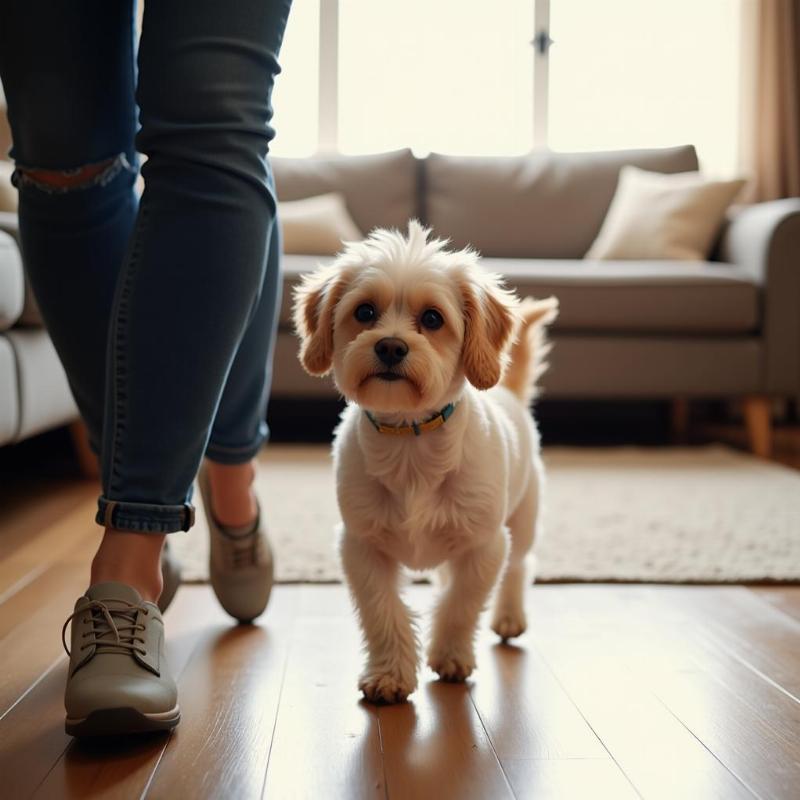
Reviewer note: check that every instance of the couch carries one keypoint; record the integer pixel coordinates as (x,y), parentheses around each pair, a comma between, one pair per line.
(34,394)
(725,328)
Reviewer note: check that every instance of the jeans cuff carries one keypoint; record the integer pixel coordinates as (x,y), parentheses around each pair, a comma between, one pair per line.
(234,455)
(144,517)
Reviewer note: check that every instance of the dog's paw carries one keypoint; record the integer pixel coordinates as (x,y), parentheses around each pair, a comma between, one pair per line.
(509,625)
(452,663)
(385,686)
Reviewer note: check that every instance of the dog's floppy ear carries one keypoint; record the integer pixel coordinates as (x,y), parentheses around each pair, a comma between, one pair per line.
(314,302)
(490,313)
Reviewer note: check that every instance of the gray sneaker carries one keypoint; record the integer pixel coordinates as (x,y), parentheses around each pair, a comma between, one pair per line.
(240,565)
(119,681)
(171,572)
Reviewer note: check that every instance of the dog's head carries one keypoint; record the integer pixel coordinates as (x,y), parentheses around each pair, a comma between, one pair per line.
(402,321)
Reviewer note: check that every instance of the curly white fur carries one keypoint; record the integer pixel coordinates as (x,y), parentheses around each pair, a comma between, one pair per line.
(464,497)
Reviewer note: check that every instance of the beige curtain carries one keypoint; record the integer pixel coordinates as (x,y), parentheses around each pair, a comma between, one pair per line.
(771,98)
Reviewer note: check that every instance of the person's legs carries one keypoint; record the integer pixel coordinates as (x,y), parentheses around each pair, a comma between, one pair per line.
(240,428)
(69,81)
(188,290)
(191,283)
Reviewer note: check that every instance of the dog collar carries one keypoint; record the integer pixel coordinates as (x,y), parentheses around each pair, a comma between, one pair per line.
(417,428)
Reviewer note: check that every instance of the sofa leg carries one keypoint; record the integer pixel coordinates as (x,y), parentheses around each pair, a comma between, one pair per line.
(84,454)
(680,419)
(757,418)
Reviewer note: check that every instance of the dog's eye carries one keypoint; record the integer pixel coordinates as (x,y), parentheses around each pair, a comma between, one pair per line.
(431,319)
(365,313)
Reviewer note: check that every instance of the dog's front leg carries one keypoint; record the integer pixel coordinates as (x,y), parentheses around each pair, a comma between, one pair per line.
(472,575)
(390,674)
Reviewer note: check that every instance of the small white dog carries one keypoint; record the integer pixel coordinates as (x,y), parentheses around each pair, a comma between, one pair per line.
(431,470)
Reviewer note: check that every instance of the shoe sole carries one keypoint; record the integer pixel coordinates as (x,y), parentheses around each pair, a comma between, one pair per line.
(122,722)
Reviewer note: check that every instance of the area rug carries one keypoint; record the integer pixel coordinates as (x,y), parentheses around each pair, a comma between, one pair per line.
(675,515)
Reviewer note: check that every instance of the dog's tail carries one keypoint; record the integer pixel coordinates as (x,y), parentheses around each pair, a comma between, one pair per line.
(530,347)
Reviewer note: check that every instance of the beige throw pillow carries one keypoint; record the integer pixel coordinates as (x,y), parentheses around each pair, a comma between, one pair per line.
(316,225)
(658,216)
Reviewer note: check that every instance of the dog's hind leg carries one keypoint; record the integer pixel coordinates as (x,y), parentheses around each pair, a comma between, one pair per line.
(508,619)
(373,578)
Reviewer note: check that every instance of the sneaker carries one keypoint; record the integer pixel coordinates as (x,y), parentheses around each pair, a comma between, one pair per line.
(119,681)
(240,562)
(171,573)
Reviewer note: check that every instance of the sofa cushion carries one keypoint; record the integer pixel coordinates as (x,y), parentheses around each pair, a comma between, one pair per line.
(380,190)
(45,399)
(615,296)
(640,296)
(12,282)
(9,397)
(541,205)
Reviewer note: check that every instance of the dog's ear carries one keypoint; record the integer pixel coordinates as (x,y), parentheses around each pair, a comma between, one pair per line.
(315,300)
(490,314)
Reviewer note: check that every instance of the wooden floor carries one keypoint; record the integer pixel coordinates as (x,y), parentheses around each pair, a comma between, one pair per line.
(617,691)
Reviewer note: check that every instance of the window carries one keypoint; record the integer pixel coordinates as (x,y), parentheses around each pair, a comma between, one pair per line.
(445,75)
(624,73)
(296,92)
(477,78)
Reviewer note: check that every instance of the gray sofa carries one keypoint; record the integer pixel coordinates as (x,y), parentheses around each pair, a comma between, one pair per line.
(34,394)
(727,328)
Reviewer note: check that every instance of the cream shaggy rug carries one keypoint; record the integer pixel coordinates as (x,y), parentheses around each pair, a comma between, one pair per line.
(625,514)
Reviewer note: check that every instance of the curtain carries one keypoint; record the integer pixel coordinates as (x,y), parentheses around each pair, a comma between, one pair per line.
(770,130)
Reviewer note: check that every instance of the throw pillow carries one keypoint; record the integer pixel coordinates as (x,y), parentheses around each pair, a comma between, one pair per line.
(316,225)
(658,216)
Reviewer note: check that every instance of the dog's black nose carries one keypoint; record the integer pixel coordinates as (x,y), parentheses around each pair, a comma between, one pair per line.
(391,351)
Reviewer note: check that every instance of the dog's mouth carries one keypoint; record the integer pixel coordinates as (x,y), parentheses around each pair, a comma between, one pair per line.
(388,376)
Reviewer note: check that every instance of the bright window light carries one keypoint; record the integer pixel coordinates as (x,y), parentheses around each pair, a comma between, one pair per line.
(295,96)
(448,76)
(627,73)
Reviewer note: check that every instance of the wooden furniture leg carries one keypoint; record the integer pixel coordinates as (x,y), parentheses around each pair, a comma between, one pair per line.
(680,419)
(757,418)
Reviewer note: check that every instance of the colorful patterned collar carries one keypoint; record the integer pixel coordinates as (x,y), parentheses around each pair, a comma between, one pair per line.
(417,428)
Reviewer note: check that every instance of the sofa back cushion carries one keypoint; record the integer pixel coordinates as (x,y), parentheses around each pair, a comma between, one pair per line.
(379,190)
(541,205)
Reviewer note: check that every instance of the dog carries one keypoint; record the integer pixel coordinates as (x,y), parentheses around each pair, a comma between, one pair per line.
(436,455)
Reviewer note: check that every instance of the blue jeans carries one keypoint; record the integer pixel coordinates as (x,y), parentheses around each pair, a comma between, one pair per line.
(163,311)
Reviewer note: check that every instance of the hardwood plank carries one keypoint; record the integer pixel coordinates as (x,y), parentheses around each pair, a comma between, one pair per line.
(436,746)
(748,723)
(558,779)
(524,709)
(29,509)
(229,699)
(55,543)
(32,620)
(114,768)
(757,634)
(784,598)
(589,657)
(320,719)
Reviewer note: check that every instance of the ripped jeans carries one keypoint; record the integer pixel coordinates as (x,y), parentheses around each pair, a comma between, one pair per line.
(162,310)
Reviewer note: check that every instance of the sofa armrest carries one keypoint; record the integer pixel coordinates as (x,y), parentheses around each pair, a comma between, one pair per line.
(9,222)
(12,282)
(765,240)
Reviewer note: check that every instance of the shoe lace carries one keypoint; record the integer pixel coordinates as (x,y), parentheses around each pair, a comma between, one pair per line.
(244,551)
(124,628)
